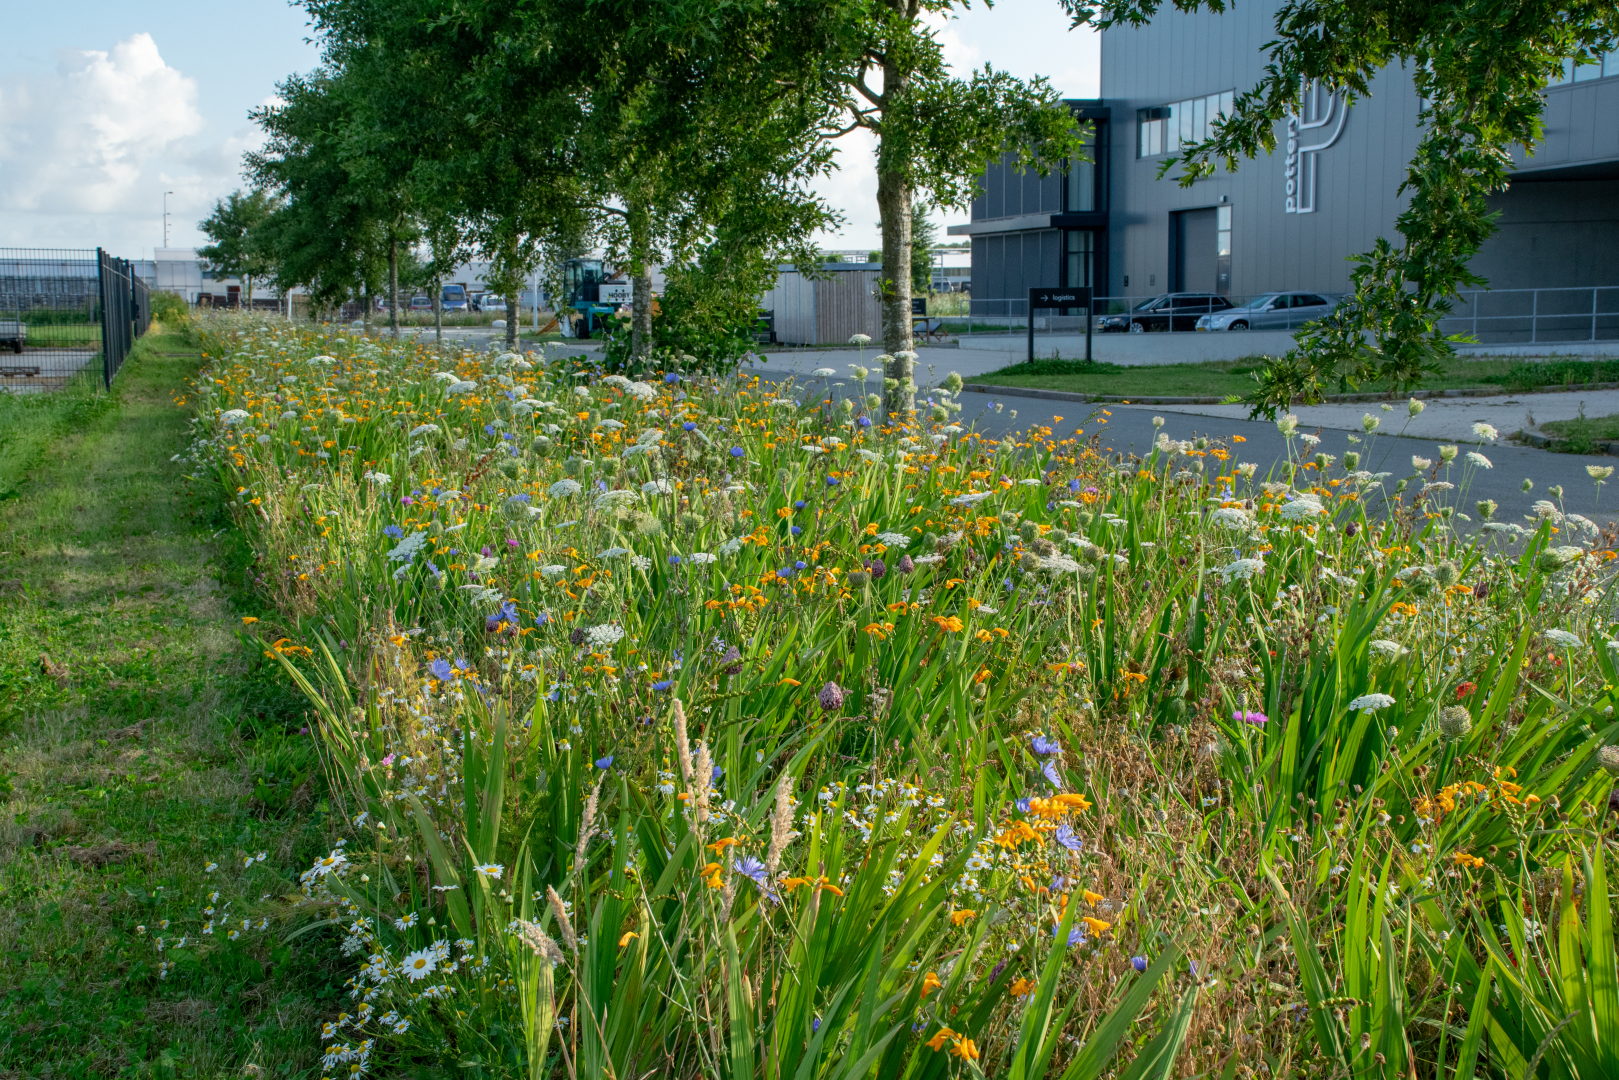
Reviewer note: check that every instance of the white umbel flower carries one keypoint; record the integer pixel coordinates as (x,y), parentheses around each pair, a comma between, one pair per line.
(1370,703)
(564,488)
(1563,638)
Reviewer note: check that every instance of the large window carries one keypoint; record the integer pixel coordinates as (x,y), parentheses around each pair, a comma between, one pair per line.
(1164,129)
(1606,66)
(1078,245)
(1084,192)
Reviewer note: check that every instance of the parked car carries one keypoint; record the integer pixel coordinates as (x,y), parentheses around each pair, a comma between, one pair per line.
(421,303)
(491,302)
(1271,311)
(1172,311)
(455,298)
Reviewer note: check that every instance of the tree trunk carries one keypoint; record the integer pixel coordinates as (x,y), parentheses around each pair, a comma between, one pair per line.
(640,224)
(512,315)
(250,292)
(894,207)
(393,286)
(438,311)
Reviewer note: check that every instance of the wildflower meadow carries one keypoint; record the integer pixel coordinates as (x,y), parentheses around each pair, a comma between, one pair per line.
(708,727)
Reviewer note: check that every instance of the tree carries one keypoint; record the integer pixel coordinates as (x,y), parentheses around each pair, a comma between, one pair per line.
(935,135)
(1480,70)
(924,234)
(239,247)
(327,234)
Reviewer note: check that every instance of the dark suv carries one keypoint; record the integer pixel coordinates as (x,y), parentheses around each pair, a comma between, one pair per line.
(1172,311)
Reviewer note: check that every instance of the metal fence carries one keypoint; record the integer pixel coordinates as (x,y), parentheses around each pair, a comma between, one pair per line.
(126,311)
(1488,316)
(61,311)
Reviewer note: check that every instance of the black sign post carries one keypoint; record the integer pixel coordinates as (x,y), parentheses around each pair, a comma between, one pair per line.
(1060,298)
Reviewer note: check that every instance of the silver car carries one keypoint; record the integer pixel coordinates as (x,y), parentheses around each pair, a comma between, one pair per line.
(1271,311)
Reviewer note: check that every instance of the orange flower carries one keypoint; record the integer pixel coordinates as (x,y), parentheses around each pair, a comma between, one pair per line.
(965,1049)
(949,623)
(789,682)
(938,1041)
(959,917)
(1020,987)
(930,983)
(1097,925)
(1092,898)
(248,620)
(720,845)
(625,940)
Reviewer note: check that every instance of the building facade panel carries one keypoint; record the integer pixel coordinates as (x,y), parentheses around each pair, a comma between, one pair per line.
(1295,216)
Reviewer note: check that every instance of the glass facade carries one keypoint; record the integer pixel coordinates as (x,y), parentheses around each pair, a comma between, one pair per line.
(1082,193)
(1605,67)
(1079,245)
(1164,129)
(1222,250)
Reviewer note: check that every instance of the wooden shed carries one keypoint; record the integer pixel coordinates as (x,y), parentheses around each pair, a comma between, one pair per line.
(827,310)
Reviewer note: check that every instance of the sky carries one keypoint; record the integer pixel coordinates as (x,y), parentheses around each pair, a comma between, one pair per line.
(104,112)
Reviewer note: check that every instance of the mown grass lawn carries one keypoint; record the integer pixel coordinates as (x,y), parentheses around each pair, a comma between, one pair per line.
(139,741)
(1224,378)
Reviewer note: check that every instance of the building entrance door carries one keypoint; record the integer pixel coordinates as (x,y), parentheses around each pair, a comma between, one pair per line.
(1196,249)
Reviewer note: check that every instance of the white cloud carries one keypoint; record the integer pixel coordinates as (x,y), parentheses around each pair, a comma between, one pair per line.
(91,147)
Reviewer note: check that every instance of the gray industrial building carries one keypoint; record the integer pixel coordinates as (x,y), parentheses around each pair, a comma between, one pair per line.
(1290,220)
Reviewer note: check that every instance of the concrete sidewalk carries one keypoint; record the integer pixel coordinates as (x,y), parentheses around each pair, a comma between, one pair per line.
(1450,419)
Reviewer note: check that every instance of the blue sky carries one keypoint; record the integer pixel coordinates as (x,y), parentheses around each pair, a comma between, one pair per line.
(105,106)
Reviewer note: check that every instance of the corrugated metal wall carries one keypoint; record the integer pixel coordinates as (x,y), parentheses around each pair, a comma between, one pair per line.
(828,311)
(793,302)
(846,304)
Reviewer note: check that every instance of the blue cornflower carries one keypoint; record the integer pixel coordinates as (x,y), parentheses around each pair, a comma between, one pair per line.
(1049,771)
(800,504)
(752,869)
(554,695)
(605,762)
(394,531)
(1043,745)
(439,669)
(795,529)
(1022,805)
(737,451)
(1073,485)
(1076,936)
(461,664)
(671,378)
(864,421)
(1066,837)
(674,560)
(800,565)
(489,430)
(506,616)
(831,481)
(719,771)
(688,426)
(663,685)
(784,573)
(1139,963)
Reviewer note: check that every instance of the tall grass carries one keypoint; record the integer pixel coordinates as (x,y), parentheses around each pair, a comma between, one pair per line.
(707,728)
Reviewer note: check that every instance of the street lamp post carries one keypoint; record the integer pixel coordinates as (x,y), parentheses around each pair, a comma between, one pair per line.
(166,195)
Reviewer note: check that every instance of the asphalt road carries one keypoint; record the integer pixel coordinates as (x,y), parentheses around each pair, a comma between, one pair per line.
(1129,428)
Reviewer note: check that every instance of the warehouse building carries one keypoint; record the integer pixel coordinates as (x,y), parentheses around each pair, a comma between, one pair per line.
(1289,221)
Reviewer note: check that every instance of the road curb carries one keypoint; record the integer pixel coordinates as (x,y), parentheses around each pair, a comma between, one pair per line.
(1329,399)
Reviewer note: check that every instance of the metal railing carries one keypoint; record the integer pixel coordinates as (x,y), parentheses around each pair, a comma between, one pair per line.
(1114,315)
(1489,316)
(1536,316)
